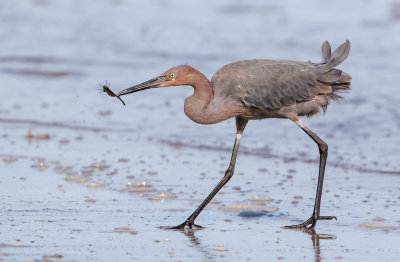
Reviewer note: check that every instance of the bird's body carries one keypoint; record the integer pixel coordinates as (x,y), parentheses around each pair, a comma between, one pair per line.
(257,89)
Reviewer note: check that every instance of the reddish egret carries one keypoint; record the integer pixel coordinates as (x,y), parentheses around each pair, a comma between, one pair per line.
(257,89)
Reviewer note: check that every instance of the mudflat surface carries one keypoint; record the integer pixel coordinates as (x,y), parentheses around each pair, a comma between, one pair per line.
(83,178)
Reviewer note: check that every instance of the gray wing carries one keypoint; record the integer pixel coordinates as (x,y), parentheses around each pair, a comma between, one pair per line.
(273,84)
(266,84)
(281,84)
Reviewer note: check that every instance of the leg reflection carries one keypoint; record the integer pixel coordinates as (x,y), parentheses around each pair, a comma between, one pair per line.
(315,237)
(196,243)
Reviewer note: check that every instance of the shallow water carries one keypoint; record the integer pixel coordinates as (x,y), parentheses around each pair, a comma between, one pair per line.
(84,178)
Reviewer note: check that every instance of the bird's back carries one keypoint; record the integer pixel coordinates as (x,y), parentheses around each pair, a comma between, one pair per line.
(274,84)
(265,83)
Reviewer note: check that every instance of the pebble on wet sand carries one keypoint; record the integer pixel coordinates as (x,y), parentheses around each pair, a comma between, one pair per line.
(163,195)
(41,166)
(48,258)
(9,160)
(94,185)
(90,200)
(125,230)
(99,166)
(74,178)
(221,248)
(30,135)
(141,186)
(238,207)
(261,199)
(377,226)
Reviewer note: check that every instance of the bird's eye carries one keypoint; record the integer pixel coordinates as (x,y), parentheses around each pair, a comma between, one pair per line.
(172,75)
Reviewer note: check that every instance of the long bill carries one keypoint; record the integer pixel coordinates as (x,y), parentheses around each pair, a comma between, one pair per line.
(154,82)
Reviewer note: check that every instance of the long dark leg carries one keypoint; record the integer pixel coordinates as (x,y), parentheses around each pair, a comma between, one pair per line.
(323,153)
(189,223)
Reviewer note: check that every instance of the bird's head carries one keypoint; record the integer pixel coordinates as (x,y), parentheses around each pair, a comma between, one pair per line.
(176,76)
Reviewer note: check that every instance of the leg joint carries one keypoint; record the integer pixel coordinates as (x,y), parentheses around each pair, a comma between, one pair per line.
(229,172)
(323,147)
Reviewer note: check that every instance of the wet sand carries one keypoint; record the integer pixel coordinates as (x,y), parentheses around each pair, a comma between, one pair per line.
(84,178)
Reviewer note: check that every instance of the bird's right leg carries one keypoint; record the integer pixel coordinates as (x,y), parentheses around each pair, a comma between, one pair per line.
(323,152)
(189,223)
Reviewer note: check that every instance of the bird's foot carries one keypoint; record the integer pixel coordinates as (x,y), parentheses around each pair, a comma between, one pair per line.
(188,225)
(311,221)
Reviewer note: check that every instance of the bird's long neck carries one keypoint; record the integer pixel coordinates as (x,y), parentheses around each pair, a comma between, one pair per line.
(196,105)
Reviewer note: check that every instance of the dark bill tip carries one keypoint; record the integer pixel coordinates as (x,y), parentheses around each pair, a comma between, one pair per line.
(140,87)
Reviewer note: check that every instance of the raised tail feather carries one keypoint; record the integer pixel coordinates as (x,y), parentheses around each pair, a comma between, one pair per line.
(329,60)
(339,81)
(326,52)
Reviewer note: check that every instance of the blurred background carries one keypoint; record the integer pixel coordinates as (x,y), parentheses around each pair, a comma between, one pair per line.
(64,146)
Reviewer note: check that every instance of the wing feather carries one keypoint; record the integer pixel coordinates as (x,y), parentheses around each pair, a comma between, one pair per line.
(279,84)
(273,84)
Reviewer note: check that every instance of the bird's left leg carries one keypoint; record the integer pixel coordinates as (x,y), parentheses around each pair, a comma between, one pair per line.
(323,152)
(189,223)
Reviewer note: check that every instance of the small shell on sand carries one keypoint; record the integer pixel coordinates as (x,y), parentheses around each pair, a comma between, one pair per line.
(48,258)
(41,166)
(99,166)
(261,199)
(377,226)
(76,179)
(370,225)
(9,160)
(125,230)
(94,185)
(141,186)
(30,135)
(238,207)
(163,195)
(43,136)
(221,248)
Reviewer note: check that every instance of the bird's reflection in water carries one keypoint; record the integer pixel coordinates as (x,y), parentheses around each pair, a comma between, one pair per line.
(315,237)
(205,252)
(196,243)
